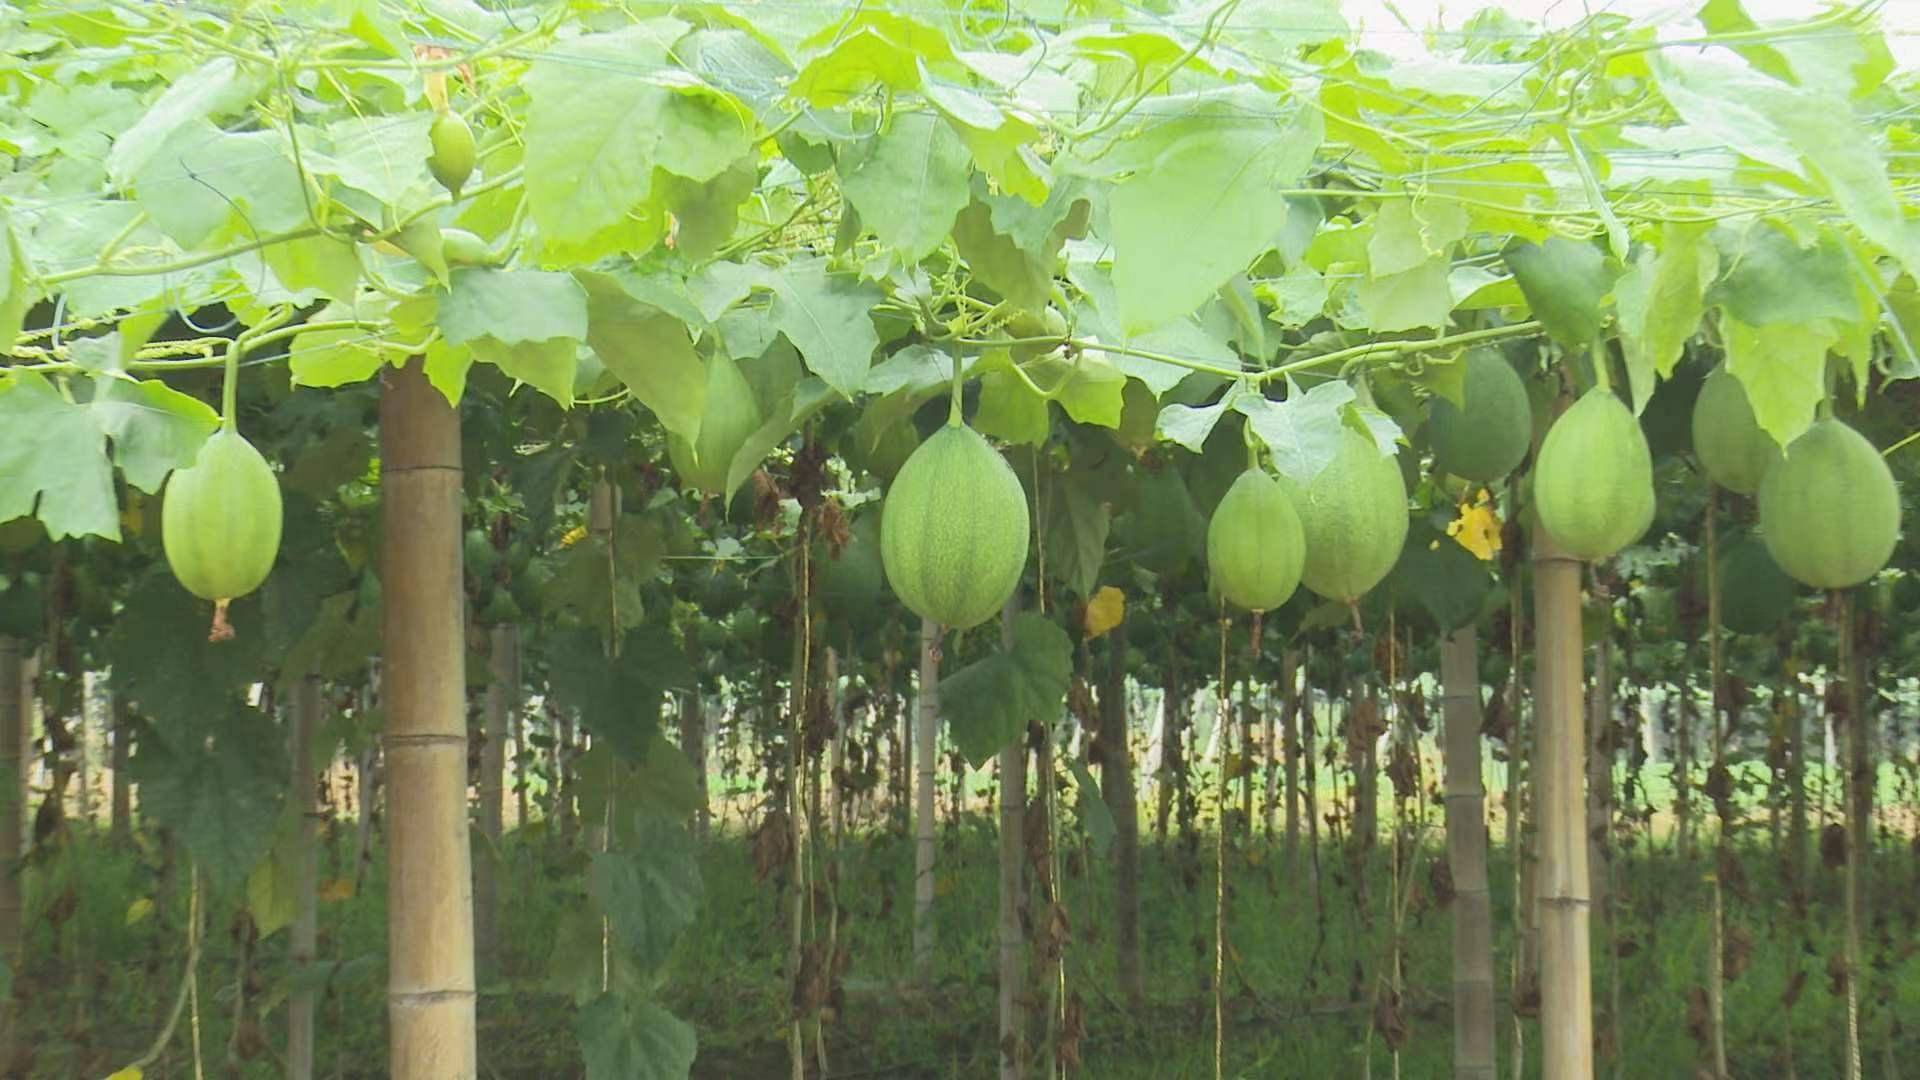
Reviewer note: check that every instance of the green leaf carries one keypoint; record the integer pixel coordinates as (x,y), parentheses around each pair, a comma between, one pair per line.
(1406,237)
(1783,369)
(1189,425)
(999,143)
(313,267)
(1302,432)
(605,110)
(908,183)
(255,189)
(870,46)
(163,660)
(1200,213)
(1090,389)
(1566,284)
(648,350)
(1299,296)
(1658,299)
(446,367)
(1772,279)
(336,644)
(548,366)
(1095,816)
(1442,578)
(383,156)
(16,291)
(825,315)
(1410,300)
(619,700)
(338,357)
(214,87)
(513,306)
(155,428)
(707,211)
(218,789)
(273,885)
(1076,533)
(53,461)
(989,703)
(999,263)
(623,1039)
(651,892)
(1010,411)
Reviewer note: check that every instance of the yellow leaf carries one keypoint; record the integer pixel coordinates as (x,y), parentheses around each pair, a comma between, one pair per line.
(1105,611)
(1478,527)
(137,911)
(573,536)
(336,890)
(131,1072)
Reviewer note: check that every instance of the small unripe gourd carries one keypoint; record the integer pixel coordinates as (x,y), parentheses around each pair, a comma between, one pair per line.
(1484,440)
(1255,545)
(1354,516)
(462,248)
(731,416)
(1829,510)
(1730,443)
(954,530)
(454,152)
(1593,484)
(220,520)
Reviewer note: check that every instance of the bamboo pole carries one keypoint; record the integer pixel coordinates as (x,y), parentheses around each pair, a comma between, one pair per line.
(1012,938)
(13,801)
(1473,1016)
(430,989)
(304,933)
(928,718)
(1566,964)
(503,699)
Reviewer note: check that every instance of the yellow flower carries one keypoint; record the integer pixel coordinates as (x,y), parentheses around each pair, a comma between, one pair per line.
(1478,527)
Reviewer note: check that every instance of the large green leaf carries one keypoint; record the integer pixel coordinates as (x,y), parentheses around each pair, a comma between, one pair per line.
(1783,369)
(164,662)
(214,87)
(619,700)
(605,112)
(1076,533)
(1566,283)
(1659,303)
(1440,577)
(650,891)
(1411,299)
(1208,203)
(908,183)
(989,703)
(648,350)
(219,790)
(1302,432)
(54,458)
(825,315)
(513,306)
(155,428)
(625,1039)
(1772,279)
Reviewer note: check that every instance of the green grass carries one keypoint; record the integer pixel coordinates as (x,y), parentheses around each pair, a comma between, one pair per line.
(1299,1002)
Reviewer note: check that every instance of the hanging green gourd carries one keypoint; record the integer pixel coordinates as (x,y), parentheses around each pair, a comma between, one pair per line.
(221,517)
(954,529)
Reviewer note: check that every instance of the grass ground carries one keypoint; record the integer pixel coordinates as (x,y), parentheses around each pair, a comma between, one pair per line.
(1301,995)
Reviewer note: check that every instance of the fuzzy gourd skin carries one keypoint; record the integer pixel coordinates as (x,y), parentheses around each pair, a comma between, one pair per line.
(1354,516)
(1487,439)
(1593,484)
(220,521)
(731,416)
(954,530)
(1255,545)
(1829,510)
(1727,439)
